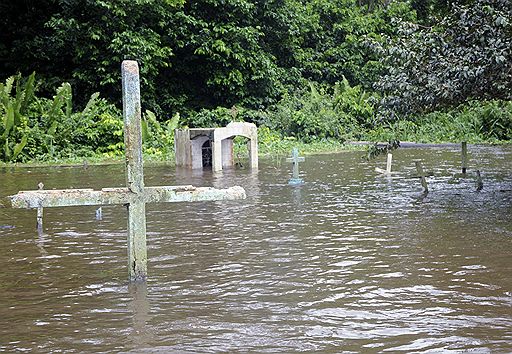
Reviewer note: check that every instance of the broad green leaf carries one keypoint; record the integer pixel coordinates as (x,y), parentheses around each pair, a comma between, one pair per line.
(68,100)
(173,123)
(28,89)
(144,128)
(150,116)
(8,119)
(7,151)
(8,84)
(53,128)
(19,147)
(90,103)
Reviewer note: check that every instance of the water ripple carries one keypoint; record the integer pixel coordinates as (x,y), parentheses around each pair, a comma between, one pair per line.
(350,261)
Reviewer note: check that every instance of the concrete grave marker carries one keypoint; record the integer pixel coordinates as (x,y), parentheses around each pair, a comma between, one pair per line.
(295,159)
(200,147)
(389,161)
(135,195)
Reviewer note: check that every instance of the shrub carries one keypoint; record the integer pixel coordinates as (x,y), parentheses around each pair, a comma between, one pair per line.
(323,113)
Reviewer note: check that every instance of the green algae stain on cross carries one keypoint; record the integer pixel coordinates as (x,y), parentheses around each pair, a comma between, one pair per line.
(137,250)
(295,159)
(135,195)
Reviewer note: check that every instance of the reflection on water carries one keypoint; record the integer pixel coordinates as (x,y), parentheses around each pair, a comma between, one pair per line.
(351,261)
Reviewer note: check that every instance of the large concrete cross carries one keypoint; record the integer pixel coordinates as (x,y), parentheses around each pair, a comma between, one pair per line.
(135,195)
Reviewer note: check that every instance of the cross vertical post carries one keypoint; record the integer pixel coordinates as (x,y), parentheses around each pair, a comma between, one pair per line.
(295,159)
(464,157)
(421,175)
(137,249)
(389,162)
(388,165)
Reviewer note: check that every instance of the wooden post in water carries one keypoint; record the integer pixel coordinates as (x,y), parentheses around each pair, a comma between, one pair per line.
(295,159)
(479,181)
(464,157)
(135,195)
(421,175)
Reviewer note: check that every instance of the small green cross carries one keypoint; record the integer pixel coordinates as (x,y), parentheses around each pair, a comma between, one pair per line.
(295,159)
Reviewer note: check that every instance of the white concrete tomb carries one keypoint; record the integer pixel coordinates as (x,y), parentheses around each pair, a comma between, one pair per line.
(199,147)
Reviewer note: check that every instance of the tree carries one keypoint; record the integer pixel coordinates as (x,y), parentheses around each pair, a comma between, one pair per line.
(84,41)
(220,57)
(335,36)
(467,56)
(20,22)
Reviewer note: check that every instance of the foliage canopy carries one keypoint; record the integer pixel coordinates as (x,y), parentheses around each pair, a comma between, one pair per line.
(308,69)
(466,56)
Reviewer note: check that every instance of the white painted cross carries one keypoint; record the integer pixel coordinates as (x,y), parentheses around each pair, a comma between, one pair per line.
(387,171)
(135,195)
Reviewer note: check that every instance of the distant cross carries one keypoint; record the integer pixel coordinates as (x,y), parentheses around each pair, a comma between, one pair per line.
(422,175)
(388,165)
(464,155)
(295,159)
(135,195)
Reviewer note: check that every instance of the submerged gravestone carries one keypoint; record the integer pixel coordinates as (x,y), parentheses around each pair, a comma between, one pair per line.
(295,159)
(135,195)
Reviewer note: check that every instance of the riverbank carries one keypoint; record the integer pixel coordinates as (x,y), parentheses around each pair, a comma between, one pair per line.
(273,149)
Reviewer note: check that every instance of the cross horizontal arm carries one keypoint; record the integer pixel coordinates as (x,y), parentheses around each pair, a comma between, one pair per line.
(298,159)
(106,196)
(191,194)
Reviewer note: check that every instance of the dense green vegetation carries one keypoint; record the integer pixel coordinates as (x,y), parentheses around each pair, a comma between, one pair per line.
(317,72)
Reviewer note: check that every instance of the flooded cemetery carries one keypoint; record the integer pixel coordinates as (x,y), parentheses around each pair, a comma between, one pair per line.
(350,260)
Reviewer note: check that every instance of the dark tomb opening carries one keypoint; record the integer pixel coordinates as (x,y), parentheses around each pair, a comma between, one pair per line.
(207,153)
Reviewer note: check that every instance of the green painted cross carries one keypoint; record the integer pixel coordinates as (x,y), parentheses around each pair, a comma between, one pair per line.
(135,195)
(295,159)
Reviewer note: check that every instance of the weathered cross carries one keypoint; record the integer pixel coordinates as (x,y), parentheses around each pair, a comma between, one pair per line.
(135,195)
(295,159)
(422,175)
(464,157)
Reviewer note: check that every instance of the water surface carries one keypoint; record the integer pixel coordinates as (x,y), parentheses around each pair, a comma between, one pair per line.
(351,261)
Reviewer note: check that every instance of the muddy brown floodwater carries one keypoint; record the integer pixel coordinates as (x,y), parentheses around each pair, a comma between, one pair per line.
(351,261)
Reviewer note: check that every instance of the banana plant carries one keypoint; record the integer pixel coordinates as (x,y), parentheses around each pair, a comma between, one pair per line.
(13,109)
(153,131)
